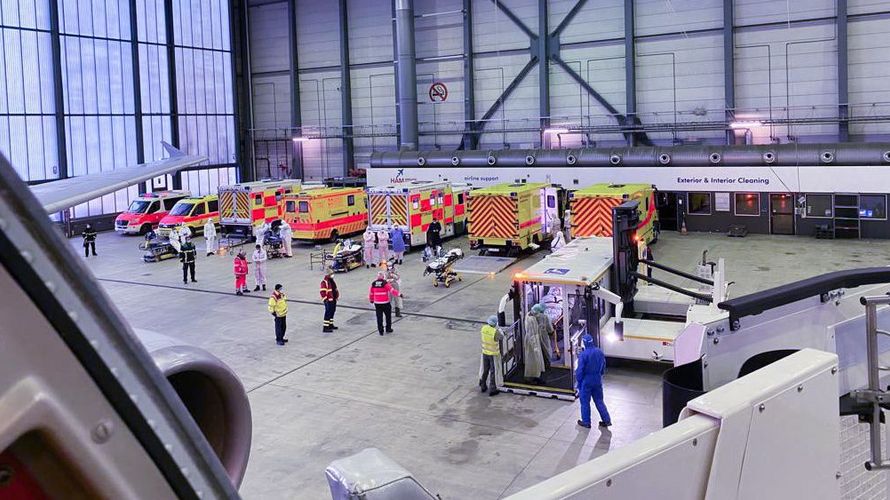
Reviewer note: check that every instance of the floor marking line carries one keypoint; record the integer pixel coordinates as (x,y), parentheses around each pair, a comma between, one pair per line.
(301,301)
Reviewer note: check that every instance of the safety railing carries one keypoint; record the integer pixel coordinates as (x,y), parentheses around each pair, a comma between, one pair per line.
(874,395)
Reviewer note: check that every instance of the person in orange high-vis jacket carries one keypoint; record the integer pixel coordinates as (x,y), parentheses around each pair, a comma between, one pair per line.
(241,270)
(329,295)
(379,295)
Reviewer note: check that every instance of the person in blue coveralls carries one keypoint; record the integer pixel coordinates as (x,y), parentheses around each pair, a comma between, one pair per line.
(589,374)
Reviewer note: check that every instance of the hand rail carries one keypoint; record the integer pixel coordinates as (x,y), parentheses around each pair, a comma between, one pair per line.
(874,395)
(756,303)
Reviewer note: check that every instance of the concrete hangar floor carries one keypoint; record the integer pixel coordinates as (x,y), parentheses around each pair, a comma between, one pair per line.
(413,394)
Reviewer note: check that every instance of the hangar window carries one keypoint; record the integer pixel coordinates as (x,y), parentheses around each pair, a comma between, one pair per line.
(747,204)
(699,203)
(873,206)
(819,205)
(350,200)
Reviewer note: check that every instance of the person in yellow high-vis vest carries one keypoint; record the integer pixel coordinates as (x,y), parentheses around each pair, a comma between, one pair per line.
(491,350)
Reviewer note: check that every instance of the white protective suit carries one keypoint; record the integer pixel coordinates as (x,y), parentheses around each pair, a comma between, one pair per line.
(259,273)
(210,237)
(547,332)
(392,276)
(368,247)
(174,240)
(287,238)
(559,241)
(259,232)
(533,356)
(382,246)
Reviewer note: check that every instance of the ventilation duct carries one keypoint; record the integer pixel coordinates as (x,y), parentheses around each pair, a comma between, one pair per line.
(847,154)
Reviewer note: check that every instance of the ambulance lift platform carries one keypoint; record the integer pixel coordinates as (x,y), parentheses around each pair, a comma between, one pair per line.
(587,287)
(574,286)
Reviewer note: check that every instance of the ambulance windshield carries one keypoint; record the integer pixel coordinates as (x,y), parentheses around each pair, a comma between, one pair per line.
(182,209)
(139,206)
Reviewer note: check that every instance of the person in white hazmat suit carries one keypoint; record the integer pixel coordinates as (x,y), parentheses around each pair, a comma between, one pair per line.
(287,238)
(259,233)
(558,242)
(368,240)
(184,233)
(259,272)
(548,333)
(532,351)
(210,237)
(175,242)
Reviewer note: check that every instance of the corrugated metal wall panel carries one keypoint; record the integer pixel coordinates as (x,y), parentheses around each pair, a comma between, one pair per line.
(318,34)
(680,80)
(654,17)
(869,76)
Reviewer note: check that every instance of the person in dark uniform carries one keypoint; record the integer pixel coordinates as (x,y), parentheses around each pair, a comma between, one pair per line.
(329,294)
(187,255)
(434,236)
(89,240)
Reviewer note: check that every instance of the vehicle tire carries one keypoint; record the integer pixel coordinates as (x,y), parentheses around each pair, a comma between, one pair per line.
(144,229)
(334,235)
(191,232)
(436,284)
(482,252)
(447,285)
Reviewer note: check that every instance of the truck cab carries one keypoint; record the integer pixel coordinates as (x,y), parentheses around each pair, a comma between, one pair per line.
(146,211)
(192,212)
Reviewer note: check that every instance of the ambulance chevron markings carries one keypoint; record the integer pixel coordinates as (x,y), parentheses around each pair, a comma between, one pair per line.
(492,217)
(593,216)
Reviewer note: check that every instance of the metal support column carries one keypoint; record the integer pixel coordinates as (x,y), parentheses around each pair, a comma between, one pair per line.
(345,92)
(58,90)
(407,80)
(843,125)
(395,74)
(296,116)
(630,71)
(137,88)
(470,140)
(171,79)
(729,69)
(543,66)
(243,91)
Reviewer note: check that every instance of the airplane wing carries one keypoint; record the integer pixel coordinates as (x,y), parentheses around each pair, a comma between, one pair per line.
(65,193)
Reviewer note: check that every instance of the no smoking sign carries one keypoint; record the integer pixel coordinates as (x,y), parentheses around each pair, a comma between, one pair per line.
(438,92)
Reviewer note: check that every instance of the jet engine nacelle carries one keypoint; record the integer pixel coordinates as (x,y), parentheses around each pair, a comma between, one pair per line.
(213,395)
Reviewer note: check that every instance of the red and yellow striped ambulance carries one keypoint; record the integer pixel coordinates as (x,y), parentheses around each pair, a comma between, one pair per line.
(326,213)
(412,206)
(249,204)
(510,217)
(592,209)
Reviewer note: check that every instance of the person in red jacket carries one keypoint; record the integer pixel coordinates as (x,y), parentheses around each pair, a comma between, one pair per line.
(379,295)
(241,274)
(329,295)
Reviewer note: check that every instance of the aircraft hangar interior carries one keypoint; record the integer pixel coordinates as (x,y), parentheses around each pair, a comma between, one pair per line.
(444,249)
